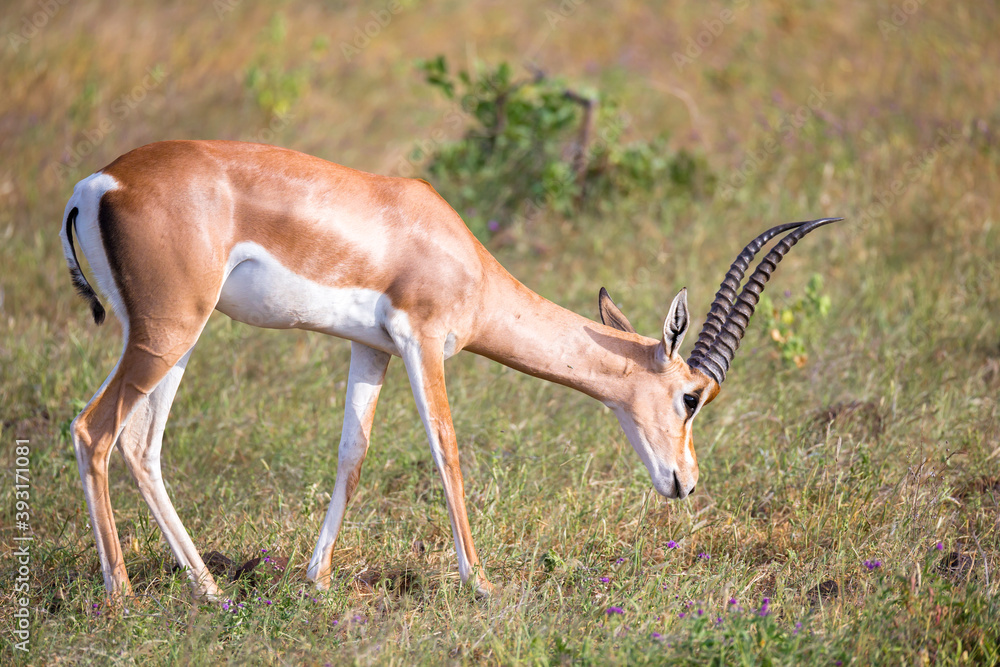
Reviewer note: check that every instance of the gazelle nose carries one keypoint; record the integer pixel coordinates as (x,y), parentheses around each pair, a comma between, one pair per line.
(679,491)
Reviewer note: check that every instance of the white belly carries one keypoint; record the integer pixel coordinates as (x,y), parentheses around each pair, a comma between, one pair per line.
(259,290)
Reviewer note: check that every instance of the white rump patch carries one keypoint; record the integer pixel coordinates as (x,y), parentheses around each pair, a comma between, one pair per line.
(86,198)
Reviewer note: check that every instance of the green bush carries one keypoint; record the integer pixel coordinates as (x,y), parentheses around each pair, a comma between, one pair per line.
(788,326)
(533,144)
(273,85)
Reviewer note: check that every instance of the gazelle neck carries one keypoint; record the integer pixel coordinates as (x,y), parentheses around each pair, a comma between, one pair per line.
(529,333)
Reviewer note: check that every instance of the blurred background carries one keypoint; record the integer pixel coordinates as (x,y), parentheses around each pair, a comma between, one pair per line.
(881,112)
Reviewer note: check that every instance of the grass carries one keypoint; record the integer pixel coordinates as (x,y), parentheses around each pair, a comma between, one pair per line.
(883,446)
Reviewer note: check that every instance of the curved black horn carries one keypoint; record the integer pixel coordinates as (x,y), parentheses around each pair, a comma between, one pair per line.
(715,362)
(726,295)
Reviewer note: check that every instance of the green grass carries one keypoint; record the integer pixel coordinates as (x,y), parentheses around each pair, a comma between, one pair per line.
(885,443)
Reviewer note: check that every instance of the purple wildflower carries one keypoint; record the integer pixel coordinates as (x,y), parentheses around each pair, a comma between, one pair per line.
(798,626)
(765,607)
(703,556)
(939,546)
(671,544)
(732,600)
(620,560)
(493,225)
(681,615)
(604,580)
(268,603)
(657,635)
(872,564)
(700,612)
(614,610)
(263,551)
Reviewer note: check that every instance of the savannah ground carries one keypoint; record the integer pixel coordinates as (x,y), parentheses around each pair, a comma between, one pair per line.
(856,490)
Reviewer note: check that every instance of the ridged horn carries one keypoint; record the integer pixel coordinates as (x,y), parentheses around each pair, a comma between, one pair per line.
(726,295)
(716,360)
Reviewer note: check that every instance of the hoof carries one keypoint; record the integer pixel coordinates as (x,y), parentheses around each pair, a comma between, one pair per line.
(484,590)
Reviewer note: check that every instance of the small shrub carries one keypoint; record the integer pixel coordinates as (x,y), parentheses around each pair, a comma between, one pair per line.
(787,327)
(274,86)
(534,144)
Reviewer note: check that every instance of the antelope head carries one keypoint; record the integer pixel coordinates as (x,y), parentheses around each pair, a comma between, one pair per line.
(658,414)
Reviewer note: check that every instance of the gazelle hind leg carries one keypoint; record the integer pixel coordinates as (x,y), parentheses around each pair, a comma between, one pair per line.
(140,444)
(95,431)
(425,367)
(92,460)
(364,382)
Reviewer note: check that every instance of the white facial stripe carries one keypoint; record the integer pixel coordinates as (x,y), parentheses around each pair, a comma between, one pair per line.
(261,291)
(688,451)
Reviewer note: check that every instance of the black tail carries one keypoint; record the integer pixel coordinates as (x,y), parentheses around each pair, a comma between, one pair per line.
(79,281)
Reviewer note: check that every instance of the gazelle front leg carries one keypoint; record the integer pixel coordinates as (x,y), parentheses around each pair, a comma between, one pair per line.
(364,382)
(425,367)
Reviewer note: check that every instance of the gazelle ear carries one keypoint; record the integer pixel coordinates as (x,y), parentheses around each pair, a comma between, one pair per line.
(675,326)
(611,315)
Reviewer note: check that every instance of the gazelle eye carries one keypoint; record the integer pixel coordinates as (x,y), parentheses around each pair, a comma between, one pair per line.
(690,402)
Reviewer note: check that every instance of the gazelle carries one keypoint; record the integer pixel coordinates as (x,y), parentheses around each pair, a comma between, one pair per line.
(279,239)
